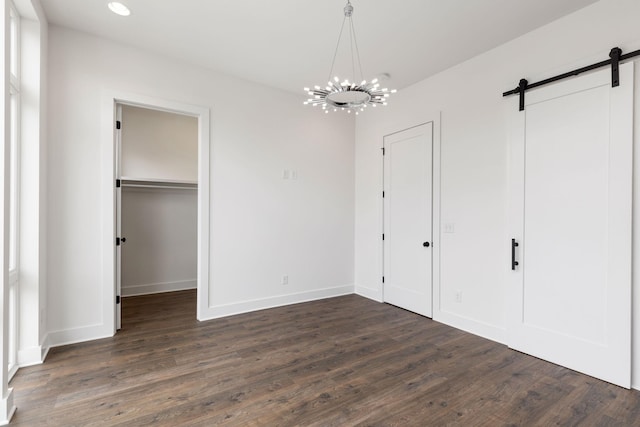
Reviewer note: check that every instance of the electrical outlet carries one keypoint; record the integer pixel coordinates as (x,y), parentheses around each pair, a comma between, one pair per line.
(458,296)
(286,173)
(285,279)
(449,228)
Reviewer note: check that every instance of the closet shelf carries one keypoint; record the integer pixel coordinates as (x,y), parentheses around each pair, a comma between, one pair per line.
(158,183)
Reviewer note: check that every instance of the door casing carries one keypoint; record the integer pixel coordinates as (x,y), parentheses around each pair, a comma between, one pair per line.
(110,101)
(432,236)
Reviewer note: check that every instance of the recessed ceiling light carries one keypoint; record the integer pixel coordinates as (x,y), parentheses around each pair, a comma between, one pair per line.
(119,8)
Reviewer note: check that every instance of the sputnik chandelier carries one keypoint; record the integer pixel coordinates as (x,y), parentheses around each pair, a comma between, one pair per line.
(347,95)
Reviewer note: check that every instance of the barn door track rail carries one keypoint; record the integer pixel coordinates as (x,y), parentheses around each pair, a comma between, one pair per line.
(615,58)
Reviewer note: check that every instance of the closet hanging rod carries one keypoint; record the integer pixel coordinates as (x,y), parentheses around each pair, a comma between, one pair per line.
(163,186)
(156,183)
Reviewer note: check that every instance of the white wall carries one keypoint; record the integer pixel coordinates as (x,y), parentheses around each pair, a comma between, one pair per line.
(475,259)
(159,145)
(159,254)
(262,226)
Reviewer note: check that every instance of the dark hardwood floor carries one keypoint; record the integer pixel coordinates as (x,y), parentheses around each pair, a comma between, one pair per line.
(337,362)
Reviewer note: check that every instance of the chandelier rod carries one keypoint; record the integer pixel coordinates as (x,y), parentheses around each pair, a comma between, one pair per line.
(335,54)
(355,41)
(353,62)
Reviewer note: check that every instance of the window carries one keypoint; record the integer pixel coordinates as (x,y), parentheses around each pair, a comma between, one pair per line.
(14,193)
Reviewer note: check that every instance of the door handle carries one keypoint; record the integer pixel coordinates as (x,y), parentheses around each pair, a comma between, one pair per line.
(123,239)
(514,245)
(426,244)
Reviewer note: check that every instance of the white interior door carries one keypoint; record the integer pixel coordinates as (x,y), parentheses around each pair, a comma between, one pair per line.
(570,214)
(118,272)
(408,219)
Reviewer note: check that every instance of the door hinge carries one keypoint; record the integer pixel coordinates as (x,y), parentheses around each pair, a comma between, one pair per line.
(383,150)
(118,124)
(117,241)
(117,299)
(383,194)
(382,279)
(382,236)
(118,183)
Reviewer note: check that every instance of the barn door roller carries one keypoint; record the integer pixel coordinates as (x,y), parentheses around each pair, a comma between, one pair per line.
(615,57)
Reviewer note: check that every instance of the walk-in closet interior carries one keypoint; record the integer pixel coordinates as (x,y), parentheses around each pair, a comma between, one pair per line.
(157,209)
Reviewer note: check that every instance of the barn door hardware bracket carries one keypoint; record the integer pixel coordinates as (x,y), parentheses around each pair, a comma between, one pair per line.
(522,88)
(615,58)
(615,66)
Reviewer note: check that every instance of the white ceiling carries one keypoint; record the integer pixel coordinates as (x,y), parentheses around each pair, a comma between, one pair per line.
(289,44)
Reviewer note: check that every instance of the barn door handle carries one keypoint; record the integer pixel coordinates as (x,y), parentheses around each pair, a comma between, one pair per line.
(514,263)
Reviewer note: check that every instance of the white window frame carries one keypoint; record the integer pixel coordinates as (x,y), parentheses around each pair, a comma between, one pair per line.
(14,233)
(15,137)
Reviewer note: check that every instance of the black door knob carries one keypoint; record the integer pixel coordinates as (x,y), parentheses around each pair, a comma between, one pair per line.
(425,244)
(124,239)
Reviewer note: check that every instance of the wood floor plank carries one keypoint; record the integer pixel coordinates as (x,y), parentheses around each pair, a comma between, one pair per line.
(337,362)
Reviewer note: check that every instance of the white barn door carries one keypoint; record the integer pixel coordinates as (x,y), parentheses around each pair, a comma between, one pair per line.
(569,295)
(408,219)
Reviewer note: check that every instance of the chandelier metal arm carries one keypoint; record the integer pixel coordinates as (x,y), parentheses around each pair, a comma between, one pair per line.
(353,61)
(355,40)
(335,53)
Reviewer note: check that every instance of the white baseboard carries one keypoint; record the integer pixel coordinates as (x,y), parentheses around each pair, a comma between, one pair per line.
(45,346)
(484,330)
(12,371)
(218,311)
(373,294)
(30,356)
(72,336)
(7,408)
(34,355)
(94,332)
(156,288)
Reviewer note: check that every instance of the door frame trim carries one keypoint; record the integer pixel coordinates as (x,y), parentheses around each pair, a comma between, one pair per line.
(108,196)
(433,118)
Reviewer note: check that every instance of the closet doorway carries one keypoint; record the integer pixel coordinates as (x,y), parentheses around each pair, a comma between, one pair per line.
(156,203)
